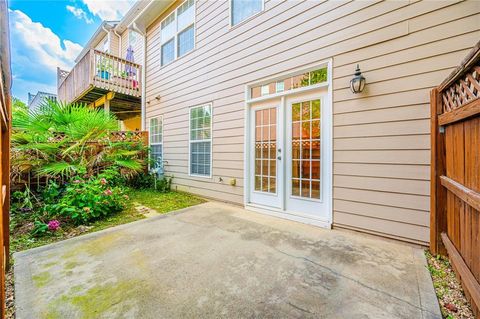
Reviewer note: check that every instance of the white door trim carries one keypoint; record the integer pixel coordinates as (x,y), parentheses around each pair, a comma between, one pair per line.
(247,167)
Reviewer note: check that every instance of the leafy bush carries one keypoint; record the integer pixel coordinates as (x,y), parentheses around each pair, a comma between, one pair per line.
(64,140)
(150,181)
(85,200)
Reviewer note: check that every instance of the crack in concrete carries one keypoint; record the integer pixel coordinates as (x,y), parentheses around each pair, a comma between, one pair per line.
(355,281)
(299,308)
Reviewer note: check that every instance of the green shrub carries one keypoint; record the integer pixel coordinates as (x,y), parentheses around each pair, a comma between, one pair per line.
(83,201)
(150,181)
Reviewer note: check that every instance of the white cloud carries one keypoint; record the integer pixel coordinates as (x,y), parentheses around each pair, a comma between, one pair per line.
(80,14)
(36,53)
(109,9)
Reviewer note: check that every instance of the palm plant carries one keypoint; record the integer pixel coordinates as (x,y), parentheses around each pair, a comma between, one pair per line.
(62,140)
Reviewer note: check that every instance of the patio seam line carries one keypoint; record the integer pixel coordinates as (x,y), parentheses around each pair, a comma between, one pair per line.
(418,286)
(354,280)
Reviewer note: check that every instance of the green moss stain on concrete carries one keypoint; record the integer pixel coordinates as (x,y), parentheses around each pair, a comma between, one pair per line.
(110,299)
(41,279)
(70,265)
(96,246)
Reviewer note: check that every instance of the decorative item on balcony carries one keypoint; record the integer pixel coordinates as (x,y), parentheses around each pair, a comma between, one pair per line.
(131,71)
(104,67)
(357,84)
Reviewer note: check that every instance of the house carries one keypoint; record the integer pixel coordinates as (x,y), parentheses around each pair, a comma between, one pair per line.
(35,100)
(108,71)
(5,125)
(251,103)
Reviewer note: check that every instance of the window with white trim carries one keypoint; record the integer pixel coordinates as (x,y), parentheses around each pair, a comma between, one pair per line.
(177,33)
(156,141)
(106,45)
(132,37)
(244,9)
(201,140)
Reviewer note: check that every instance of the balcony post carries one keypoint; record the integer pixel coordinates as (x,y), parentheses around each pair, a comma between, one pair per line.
(106,106)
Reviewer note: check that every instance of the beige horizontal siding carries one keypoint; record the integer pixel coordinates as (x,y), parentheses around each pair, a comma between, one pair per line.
(381,137)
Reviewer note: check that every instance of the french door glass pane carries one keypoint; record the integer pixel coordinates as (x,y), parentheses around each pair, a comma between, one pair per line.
(265,150)
(306,151)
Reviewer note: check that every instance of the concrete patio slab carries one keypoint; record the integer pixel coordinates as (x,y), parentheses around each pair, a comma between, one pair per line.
(220,261)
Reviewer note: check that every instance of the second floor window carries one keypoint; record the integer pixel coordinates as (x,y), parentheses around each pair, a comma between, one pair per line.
(244,9)
(178,32)
(106,45)
(132,38)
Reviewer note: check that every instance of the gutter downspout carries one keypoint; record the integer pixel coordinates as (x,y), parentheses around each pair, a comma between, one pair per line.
(144,73)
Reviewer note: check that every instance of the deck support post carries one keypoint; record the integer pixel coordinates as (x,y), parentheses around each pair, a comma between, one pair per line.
(106,106)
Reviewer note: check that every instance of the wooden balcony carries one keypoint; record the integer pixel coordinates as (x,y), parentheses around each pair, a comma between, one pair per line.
(99,77)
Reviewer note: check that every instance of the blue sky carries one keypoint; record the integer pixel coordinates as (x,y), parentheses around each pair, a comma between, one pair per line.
(47,34)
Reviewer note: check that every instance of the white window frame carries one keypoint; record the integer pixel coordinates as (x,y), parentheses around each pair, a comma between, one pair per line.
(197,141)
(230,14)
(159,118)
(106,43)
(177,32)
(130,38)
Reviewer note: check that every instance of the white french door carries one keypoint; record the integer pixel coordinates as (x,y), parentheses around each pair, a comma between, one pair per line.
(308,149)
(266,155)
(290,156)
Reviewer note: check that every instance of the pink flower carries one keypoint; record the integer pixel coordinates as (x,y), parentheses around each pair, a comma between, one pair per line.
(53,225)
(77,181)
(108,192)
(103,181)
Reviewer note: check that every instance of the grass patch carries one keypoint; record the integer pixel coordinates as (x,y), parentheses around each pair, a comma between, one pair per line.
(451,298)
(161,202)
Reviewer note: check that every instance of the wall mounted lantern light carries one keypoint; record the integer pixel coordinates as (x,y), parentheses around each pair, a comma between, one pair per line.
(357,84)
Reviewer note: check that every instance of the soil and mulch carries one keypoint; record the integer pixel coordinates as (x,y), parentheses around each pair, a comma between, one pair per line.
(142,204)
(451,297)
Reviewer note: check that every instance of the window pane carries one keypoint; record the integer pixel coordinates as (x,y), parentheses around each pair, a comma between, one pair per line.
(318,76)
(243,9)
(200,158)
(132,37)
(200,152)
(168,28)
(156,155)
(185,41)
(168,52)
(185,14)
(155,130)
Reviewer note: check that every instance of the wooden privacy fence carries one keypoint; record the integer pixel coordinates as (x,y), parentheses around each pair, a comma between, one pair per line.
(455,173)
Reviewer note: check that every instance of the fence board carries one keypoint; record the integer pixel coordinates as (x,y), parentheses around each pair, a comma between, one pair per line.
(459,118)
